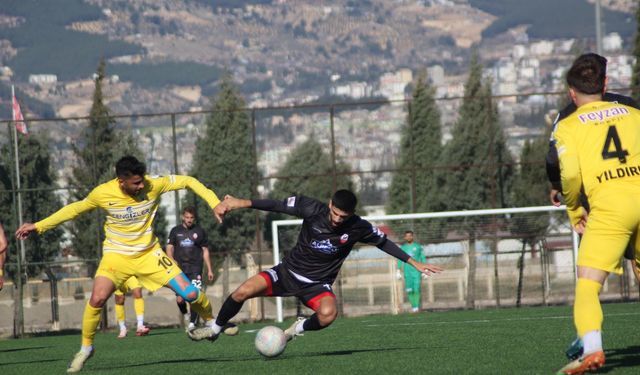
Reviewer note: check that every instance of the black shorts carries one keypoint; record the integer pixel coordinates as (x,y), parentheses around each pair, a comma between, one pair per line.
(281,283)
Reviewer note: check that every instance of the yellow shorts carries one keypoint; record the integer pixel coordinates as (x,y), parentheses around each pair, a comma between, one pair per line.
(129,285)
(613,222)
(153,269)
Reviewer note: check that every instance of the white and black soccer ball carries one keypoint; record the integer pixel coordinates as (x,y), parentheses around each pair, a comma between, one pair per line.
(270,341)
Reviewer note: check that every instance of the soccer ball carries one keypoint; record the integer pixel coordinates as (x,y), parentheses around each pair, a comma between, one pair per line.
(270,341)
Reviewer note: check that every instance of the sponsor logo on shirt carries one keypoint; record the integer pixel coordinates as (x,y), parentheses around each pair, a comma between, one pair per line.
(344,238)
(195,236)
(603,114)
(131,214)
(187,242)
(324,246)
(291,202)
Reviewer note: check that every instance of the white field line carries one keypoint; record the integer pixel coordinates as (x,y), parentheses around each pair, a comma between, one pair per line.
(475,321)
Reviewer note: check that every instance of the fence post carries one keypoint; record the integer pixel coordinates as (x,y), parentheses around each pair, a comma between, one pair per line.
(544,253)
(18,308)
(176,195)
(225,275)
(334,185)
(395,296)
(255,194)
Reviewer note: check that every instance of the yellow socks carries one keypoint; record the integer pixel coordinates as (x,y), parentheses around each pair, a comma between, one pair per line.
(587,312)
(202,306)
(138,306)
(90,320)
(120,316)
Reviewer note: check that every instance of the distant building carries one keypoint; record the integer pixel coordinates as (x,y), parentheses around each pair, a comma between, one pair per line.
(612,42)
(40,79)
(392,85)
(436,74)
(356,90)
(543,47)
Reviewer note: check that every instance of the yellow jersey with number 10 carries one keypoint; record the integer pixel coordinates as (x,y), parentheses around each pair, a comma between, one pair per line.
(129,220)
(599,149)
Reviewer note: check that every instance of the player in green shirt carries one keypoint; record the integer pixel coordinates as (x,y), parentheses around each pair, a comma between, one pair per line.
(412,277)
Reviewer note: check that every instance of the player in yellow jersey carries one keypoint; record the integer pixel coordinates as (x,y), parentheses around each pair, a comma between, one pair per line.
(599,150)
(130,247)
(131,285)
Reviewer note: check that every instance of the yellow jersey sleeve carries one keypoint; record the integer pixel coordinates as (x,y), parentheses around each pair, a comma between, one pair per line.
(569,170)
(177,182)
(67,213)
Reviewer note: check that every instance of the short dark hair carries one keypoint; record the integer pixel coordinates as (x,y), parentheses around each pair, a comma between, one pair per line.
(345,200)
(588,73)
(408,231)
(189,209)
(129,166)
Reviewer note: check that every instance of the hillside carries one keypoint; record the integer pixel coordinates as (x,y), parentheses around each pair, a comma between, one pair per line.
(274,48)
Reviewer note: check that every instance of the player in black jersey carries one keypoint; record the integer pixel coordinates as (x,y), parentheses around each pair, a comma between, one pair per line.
(328,234)
(187,245)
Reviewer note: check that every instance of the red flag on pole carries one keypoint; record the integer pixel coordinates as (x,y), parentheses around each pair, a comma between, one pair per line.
(21,126)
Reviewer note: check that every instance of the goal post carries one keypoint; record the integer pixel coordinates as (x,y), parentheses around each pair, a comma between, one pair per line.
(506,215)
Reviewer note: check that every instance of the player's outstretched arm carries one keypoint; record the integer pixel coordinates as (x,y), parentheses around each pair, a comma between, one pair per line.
(24,230)
(234,203)
(425,268)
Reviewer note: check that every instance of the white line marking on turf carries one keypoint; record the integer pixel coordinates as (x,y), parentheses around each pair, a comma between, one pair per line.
(491,320)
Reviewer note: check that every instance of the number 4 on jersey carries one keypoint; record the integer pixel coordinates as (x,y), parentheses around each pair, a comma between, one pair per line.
(619,152)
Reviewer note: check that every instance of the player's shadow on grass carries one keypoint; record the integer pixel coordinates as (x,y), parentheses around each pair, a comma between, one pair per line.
(28,361)
(10,350)
(64,332)
(624,357)
(173,362)
(343,352)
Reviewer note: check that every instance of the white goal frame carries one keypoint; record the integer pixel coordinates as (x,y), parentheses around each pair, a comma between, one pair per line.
(426,215)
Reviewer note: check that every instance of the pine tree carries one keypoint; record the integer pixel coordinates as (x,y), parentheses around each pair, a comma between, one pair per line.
(420,152)
(98,149)
(482,173)
(35,173)
(635,77)
(224,162)
(94,155)
(421,149)
(308,171)
(530,189)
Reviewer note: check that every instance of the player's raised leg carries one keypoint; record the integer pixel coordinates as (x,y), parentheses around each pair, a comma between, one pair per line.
(103,287)
(255,286)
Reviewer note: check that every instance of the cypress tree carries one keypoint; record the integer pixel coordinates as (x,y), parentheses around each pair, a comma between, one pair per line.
(481,172)
(421,149)
(308,171)
(94,156)
(99,147)
(420,152)
(224,162)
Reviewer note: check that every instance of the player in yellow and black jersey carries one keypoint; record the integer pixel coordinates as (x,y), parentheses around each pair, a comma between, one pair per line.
(130,247)
(599,150)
